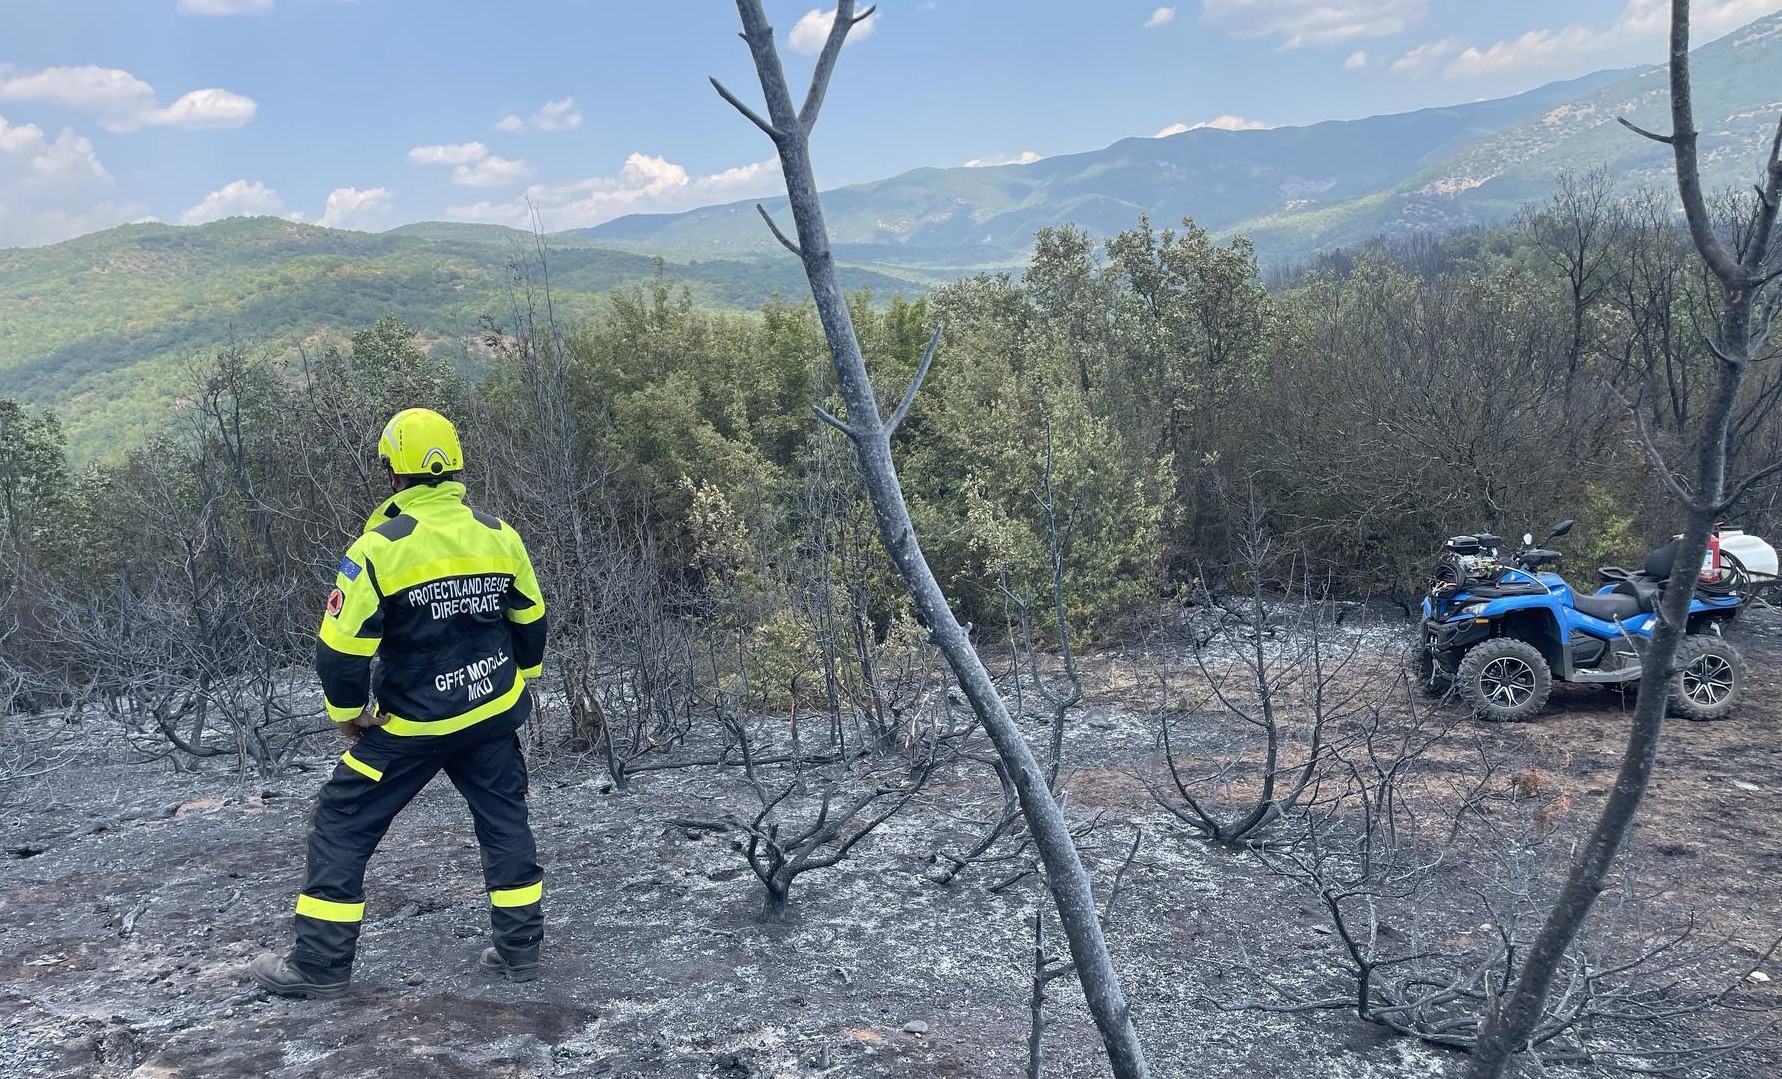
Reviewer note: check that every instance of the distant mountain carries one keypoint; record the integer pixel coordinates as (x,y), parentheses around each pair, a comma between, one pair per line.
(102,326)
(1738,98)
(1294,190)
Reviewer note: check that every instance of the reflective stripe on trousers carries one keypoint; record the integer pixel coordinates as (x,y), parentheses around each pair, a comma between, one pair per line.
(354,811)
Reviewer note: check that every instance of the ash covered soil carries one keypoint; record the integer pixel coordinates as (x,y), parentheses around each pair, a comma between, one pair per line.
(131,897)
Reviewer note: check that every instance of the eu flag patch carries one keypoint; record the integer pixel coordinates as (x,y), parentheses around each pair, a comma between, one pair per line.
(349,569)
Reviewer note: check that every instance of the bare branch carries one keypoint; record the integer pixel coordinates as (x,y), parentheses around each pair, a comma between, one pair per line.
(739,105)
(1720,353)
(1654,454)
(1683,141)
(785,241)
(845,21)
(1744,486)
(1138,839)
(1638,130)
(1769,199)
(909,395)
(829,418)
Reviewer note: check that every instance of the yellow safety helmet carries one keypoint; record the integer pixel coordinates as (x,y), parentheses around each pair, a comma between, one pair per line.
(420,442)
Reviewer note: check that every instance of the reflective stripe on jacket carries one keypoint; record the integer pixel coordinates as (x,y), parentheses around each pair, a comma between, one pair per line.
(445,596)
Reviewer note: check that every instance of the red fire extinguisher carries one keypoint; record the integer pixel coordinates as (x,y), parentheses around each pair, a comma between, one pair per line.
(1711,558)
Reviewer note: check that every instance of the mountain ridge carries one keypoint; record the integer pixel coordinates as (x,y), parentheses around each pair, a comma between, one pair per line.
(1165,169)
(1293,190)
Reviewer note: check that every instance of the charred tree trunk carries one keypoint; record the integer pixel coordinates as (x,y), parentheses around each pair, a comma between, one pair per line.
(790,129)
(1704,496)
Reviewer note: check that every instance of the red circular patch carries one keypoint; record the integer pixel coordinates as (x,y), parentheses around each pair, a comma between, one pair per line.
(335,602)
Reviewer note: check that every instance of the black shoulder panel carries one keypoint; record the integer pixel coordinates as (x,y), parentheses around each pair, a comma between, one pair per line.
(396,528)
(488,520)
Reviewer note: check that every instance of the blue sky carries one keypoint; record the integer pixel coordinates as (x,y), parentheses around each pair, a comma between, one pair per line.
(372,113)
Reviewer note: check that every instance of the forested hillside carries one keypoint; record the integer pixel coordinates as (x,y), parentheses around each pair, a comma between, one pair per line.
(1367,409)
(104,327)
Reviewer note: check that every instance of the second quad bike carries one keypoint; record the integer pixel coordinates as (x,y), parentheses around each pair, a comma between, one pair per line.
(1499,632)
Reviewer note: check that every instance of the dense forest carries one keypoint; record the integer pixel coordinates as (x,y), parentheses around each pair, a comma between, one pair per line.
(1130,407)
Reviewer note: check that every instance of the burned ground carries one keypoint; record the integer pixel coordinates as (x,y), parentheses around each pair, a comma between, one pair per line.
(131,897)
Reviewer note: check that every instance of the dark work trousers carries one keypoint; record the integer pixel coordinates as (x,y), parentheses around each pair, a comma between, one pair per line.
(376,778)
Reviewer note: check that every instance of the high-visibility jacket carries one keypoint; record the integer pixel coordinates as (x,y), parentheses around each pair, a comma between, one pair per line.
(445,597)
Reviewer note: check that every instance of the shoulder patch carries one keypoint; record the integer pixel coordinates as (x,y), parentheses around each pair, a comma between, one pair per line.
(336,601)
(397,527)
(350,569)
(487,520)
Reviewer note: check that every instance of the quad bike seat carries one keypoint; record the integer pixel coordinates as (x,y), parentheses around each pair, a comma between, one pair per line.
(1616,605)
(1643,589)
(1644,592)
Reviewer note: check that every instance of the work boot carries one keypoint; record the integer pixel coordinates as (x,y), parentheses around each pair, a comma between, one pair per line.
(493,962)
(275,974)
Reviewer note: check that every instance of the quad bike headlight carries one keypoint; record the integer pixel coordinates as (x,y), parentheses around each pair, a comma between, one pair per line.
(1472,610)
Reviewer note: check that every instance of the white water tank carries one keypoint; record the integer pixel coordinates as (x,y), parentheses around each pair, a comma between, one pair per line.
(1757,557)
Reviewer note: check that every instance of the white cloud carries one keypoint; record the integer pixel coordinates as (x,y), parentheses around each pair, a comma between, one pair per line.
(1025,157)
(1640,20)
(462,153)
(552,116)
(1314,22)
(87,88)
(205,109)
(239,198)
(812,30)
(1228,122)
(759,177)
(1426,57)
(123,102)
(1163,16)
(492,172)
(1537,48)
(53,189)
(30,164)
(1356,61)
(223,7)
(475,166)
(646,184)
(351,208)
(1707,18)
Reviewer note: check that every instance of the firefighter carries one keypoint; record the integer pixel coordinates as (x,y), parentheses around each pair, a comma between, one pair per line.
(445,597)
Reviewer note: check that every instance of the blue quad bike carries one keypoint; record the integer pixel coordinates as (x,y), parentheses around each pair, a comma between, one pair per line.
(1499,632)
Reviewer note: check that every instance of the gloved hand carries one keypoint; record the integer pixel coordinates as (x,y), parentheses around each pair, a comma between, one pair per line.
(354,729)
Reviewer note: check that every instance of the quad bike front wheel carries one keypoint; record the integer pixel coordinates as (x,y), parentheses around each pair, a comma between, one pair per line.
(1505,680)
(1429,674)
(1710,678)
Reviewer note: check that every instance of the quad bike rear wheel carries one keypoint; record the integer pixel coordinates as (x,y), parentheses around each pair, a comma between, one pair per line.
(1505,680)
(1710,678)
